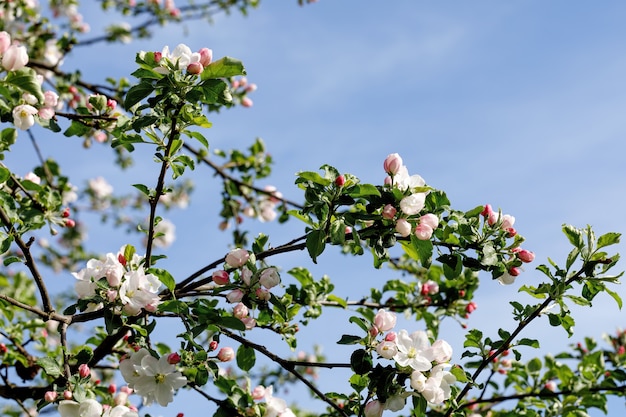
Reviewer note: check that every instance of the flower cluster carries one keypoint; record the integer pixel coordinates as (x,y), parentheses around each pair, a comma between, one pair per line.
(92,408)
(425,363)
(182,58)
(266,208)
(414,191)
(119,281)
(155,379)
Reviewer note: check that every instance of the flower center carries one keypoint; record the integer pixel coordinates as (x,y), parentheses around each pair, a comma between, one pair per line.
(159,378)
(412,353)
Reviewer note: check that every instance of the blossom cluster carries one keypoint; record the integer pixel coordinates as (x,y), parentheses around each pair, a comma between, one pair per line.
(413,353)
(155,379)
(415,192)
(118,282)
(266,208)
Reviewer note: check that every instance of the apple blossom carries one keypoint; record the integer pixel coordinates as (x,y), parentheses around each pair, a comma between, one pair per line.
(235,296)
(411,350)
(84,371)
(430,287)
(423,231)
(50,396)
(249,323)
(258,393)
(206,56)
(389,212)
(23,116)
(156,379)
(87,408)
(240,311)
(246,102)
(15,58)
(441,351)
(237,258)
(173,358)
(263,294)
(403,227)
(384,320)
(226,354)
(5,41)
(32,177)
(392,163)
(506,279)
(100,187)
(403,181)
(374,408)
(220,277)
(387,349)
(526,256)
(413,203)
(165,234)
(269,278)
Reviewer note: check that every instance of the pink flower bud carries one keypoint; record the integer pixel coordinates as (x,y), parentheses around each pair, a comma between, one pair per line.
(403,227)
(526,256)
(50,396)
(374,409)
(551,386)
(471,307)
(5,42)
(220,277)
(112,388)
(234,296)
(246,102)
(392,164)
(212,345)
(390,337)
(511,232)
(157,57)
(50,99)
(249,322)
(269,278)
(258,393)
(15,58)
(251,88)
(384,320)
(195,68)
(340,181)
(111,104)
(69,223)
(237,258)
(173,358)
(430,220)
(67,395)
(226,354)
(515,271)
(206,56)
(423,231)
(84,371)
(263,294)
(240,311)
(389,212)
(487,211)
(430,288)
(66,212)
(121,259)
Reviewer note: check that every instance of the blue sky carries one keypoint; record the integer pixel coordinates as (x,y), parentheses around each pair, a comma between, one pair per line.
(517,104)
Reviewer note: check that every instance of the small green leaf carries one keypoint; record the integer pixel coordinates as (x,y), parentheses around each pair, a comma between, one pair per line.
(529,342)
(347,339)
(137,93)
(574,235)
(223,68)
(359,322)
(165,277)
(613,294)
(4,174)
(361,190)
(314,177)
(26,80)
(145,190)
(315,243)
(608,239)
(361,362)
(50,366)
(246,358)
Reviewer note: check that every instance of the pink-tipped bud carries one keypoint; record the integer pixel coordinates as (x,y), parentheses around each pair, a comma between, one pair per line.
(526,256)
(112,388)
(111,104)
(340,181)
(121,259)
(226,354)
(246,102)
(50,396)
(235,296)
(471,307)
(510,231)
(487,211)
(240,311)
(390,337)
(263,294)
(157,57)
(84,371)
(66,212)
(212,345)
(67,395)
(206,56)
(389,212)
(195,68)
(392,164)
(403,227)
(173,358)
(220,277)
(515,271)
(69,223)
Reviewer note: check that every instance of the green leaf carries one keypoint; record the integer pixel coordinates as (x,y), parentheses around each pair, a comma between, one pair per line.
(50,366)
(76,129)
(555,320)
(424,249)
(165,277)
(315,243)
(574,235)
(145,190)
(608,239)
(342,302)
(25,79)
(137,93)
(361,362)
(529,342)
(223,68)
(314,177)
(347,339)
(246,358)
(359,322)
(231,323)
(613,294)
(4,174)
(215,91)
(11,260)
(361,190)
